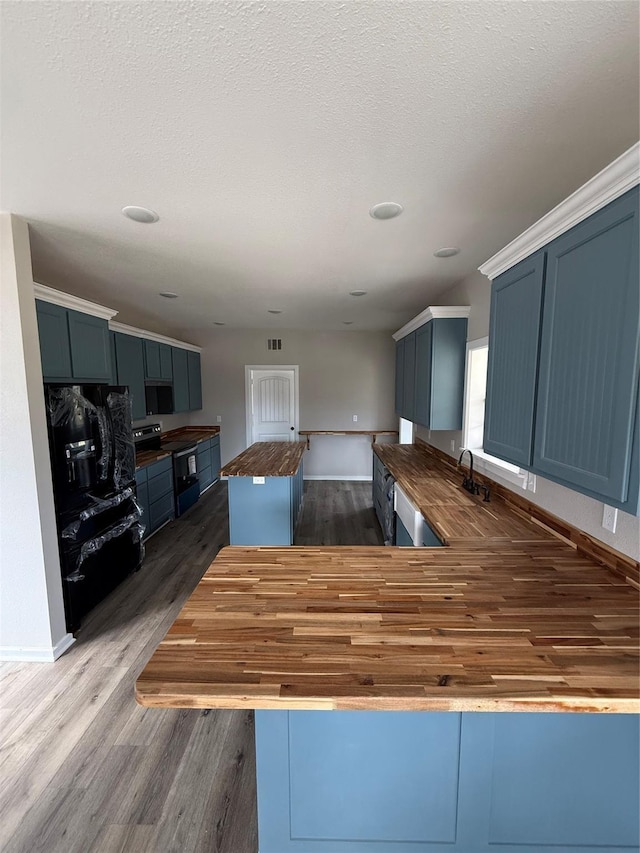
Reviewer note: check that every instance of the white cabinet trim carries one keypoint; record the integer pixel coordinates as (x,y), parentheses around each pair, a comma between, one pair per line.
(432,313)
(66,300)
(613,181)
(151,336)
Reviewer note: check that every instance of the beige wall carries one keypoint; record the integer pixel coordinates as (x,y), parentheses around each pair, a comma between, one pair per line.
(341,374)
(579,510)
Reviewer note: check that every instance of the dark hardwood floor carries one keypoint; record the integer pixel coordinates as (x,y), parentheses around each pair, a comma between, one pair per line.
(84,769)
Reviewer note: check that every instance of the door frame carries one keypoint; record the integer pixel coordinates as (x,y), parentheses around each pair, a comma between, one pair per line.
(248,369)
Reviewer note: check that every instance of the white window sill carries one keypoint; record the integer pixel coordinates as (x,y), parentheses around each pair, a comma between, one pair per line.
(492,465)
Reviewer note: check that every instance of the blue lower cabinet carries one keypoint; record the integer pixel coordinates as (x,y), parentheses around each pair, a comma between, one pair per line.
(359,781)
(154,485)
(429,537)
(215,458)
(264,510)
(403,537)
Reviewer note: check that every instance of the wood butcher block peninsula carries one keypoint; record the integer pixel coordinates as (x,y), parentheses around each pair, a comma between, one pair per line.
(267,459)
(508,617)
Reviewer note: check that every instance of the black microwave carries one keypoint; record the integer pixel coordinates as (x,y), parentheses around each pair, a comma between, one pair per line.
(158,398)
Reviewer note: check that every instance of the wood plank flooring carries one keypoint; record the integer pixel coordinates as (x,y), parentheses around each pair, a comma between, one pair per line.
(84,769)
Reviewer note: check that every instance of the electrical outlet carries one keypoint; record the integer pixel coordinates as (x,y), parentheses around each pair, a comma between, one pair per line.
(219,418)
(531,483)
(355,419)
(609,518)
(258,481)
(453,446)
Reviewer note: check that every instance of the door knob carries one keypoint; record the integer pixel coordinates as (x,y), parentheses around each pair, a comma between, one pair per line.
(292,429)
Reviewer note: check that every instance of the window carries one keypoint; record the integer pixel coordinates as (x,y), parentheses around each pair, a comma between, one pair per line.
(473,427)
(476,392)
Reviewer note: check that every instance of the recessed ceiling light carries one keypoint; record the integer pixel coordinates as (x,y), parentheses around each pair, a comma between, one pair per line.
(168,294)
(357,293)
(348,322)
(386,210)
(218,323)
(274,311)
(447,252)
(140,214)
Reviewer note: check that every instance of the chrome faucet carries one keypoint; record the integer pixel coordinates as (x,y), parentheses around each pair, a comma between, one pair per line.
(469,483)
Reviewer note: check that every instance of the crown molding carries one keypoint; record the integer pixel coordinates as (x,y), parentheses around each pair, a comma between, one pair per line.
(613,181)
(66,300)
(433,312)
(151,336)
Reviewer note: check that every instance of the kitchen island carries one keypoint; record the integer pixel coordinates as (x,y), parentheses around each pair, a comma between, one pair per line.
(265,492)
(443,641)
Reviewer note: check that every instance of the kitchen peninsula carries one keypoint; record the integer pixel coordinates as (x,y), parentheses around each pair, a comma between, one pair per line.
(265,492)
(508,617)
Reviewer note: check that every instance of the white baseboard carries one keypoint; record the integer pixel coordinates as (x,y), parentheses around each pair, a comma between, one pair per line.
(37,655)
(360,478)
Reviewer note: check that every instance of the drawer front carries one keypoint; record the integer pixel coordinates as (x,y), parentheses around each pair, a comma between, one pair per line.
(160,511)
(205,445)
(204,458)
(160,486)
(205,478)
(159,467)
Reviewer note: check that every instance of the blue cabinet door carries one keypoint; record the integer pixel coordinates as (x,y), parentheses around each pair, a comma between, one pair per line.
(195,380)
(514,332)
(113,373)
(152,369)
(403,537)
(588,376)
(448,352)
(166,366)
(90,347)
(130,363)
(424,337)
(180,379)
(399,376)
(409,378)
(53,331)
(215,458)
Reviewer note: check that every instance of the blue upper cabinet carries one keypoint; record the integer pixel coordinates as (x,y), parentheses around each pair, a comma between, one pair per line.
(399,376)
(180,380)
(195,380)
(152,368)
(516,304)
(588,375)
(90,347)
(430,371)
(409,378)
(157,361)
(55,350)
(562,389)
(130,364)
(74,347)
(440,374)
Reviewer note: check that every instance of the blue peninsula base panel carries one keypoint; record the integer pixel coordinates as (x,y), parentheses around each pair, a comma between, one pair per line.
(264,510)
(410,782)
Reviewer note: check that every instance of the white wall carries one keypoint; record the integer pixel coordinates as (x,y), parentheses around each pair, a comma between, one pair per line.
(580,511)
(341,374)
(32,625)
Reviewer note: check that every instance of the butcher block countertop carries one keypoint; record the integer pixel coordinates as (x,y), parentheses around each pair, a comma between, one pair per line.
(267,459)
(187,433)
(506,625)
(191,433)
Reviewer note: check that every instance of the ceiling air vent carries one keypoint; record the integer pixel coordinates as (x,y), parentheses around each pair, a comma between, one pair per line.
(274,343)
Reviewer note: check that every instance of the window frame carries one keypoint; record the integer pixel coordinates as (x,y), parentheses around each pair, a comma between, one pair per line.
(491,465)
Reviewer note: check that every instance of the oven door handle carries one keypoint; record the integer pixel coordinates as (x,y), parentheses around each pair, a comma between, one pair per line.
(189,451)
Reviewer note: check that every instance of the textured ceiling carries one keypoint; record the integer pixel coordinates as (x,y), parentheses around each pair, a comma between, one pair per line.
(263,132)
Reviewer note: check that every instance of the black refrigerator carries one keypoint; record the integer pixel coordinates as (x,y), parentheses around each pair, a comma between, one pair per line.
(93,464)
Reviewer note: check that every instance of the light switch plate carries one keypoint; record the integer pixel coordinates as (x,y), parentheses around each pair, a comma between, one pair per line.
(355,419)
(219,418)
(258,481)
(609,518)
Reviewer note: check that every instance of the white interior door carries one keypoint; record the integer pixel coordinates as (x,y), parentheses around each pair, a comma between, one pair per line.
(272,404)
